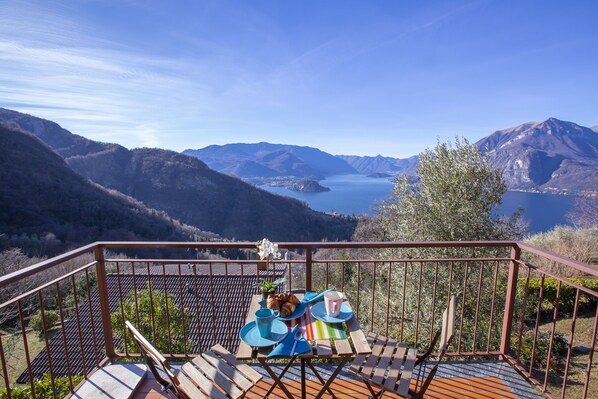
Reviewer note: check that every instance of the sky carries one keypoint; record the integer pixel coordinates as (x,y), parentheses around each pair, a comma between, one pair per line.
(348,77)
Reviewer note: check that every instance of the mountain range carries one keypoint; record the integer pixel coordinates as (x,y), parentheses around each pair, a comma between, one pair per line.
(185,188)
(551,156)
(45,206)
(62,185)
(271,160)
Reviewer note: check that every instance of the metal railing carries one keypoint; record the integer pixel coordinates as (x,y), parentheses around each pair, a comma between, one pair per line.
(397,289)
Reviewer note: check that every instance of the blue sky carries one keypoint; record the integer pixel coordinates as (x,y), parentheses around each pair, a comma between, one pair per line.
(366,78)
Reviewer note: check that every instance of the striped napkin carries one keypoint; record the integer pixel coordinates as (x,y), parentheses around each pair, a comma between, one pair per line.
(314,329)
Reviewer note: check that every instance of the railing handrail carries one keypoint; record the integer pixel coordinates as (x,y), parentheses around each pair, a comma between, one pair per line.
(44,265)
(583,267)
(306,245)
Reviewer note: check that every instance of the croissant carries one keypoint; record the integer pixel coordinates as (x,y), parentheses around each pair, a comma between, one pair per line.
(294,300)
(272,303)
(287,309)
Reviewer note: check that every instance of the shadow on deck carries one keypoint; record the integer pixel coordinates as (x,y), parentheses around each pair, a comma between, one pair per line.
(471,379)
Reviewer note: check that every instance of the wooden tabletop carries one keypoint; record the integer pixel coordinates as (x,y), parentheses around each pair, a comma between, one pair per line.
(322,348)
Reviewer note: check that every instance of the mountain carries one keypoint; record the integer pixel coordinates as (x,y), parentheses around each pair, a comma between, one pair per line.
(379,164)
(271,160)
(45,206)
(188,189)
(550,156)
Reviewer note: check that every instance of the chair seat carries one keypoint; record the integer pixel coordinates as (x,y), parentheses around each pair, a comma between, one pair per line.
(216,374)
(389,366)
(213,374)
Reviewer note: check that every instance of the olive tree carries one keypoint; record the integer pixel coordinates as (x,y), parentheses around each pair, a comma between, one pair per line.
(453,198)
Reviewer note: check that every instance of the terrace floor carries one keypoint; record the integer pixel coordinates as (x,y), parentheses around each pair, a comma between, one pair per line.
(471,379)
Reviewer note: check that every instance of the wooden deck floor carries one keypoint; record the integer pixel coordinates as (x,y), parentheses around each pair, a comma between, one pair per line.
(442,388)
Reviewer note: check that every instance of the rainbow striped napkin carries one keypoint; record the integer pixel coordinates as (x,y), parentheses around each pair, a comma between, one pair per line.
(313,328)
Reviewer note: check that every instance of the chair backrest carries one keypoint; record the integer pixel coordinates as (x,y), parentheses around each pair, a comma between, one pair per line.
(446,336)
(153,358)
(448,326)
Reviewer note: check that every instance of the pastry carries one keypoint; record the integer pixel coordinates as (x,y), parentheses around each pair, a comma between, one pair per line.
(286,309)
(294,300)
(272,303)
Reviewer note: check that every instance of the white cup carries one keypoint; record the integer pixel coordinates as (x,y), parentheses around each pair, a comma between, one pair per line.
(333,301)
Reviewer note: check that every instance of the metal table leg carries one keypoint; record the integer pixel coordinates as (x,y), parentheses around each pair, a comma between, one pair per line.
(303,390)
(275,378)
(319,377)
(284,371)
(332,377)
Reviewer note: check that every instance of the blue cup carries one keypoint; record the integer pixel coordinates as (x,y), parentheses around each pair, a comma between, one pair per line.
(264,319)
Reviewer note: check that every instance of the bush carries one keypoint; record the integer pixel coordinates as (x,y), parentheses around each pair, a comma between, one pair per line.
(567,295)
(51,318)
(559,349)
(43,388)
(154,315)
(578,244)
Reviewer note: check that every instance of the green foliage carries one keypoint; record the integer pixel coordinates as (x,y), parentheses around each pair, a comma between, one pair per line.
(550,290)
(51,317)
(43,388)
(453,200)
(559,349)
(577,244)
(160,318)
(267,285)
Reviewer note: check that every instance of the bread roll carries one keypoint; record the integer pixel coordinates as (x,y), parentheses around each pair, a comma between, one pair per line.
(286,309)
(272,303)
(294,300)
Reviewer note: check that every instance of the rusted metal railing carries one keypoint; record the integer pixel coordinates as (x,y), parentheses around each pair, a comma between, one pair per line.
(397,289)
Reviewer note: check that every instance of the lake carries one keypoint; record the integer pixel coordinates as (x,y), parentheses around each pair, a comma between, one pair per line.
(358,194)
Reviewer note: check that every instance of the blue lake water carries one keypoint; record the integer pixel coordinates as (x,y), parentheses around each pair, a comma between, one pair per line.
(358,194)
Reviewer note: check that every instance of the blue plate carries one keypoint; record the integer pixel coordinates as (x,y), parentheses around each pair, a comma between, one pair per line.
(251,335)
(299,311)
(318,311)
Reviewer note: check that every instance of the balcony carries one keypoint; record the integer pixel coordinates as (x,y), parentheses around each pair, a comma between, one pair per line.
(522,329)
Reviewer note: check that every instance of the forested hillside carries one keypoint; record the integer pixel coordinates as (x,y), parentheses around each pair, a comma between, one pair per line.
(45,207)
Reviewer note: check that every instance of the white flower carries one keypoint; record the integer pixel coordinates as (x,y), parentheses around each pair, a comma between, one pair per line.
(267,249)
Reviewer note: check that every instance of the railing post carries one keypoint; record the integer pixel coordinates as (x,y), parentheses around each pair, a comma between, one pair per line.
(104,304)
(308,267)
(507,324)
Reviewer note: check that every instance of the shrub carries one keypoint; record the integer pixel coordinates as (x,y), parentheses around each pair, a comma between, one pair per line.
(559,349)
(51,318)
(43,388)
(549,294)
(577,244)
(154,314)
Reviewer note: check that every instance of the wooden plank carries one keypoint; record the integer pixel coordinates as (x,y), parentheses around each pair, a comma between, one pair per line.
(262,353)
(372,359)
(250,373)
(233,374)
(213,374)
(343,347)
(395,367)
(147,346)
(385,359)
(189,388)
(448,325)
(245,352)
(360,358)
(360,342)
(403,389)
(202,381)
(323,348)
